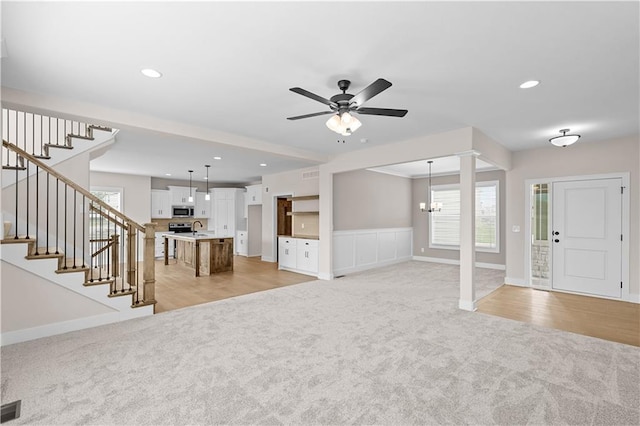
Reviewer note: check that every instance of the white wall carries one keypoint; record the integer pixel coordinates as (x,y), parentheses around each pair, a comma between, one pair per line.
(136,192)
(363,199)
(30,301)
(613,156)
(280,184)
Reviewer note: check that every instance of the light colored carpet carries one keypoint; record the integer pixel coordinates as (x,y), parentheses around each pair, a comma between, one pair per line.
(387,346)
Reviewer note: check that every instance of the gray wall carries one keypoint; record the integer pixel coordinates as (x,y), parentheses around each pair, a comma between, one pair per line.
(366,200)
(421,220)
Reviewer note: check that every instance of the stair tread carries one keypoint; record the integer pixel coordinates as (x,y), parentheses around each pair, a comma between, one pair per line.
(53,145)
(69,266)
(122,293)
(13,168)
(42,254)
(10,239)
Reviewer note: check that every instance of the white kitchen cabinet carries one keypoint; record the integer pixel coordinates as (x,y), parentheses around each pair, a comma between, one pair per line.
(254,195)
(160,204)
(286,253)
(180,195)
(159,244)
(202,208)
(298,255)
(224,212)
(242,244)
(307,256)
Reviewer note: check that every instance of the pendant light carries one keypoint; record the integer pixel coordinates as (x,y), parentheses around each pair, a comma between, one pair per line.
(190,196)
(433,206)
(565,139)
(206,195)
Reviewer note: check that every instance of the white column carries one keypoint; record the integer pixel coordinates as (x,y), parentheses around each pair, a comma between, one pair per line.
(325,245)
(467,230)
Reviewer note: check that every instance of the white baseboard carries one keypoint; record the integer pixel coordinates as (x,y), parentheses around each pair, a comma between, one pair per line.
(520,282)
(325,276)
(11,337)
(267,259)
(457,262)
(467,305)
(634,298)
(366,267)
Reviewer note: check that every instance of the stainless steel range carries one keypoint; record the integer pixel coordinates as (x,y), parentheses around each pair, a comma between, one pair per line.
(179,227)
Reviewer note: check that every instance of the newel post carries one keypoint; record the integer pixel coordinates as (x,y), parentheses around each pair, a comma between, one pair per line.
(149,271)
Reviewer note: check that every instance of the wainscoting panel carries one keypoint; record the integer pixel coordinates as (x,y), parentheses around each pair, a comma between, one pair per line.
(363,249)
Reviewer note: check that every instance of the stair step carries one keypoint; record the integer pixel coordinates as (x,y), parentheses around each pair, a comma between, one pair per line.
(143,303)
(42,253)
(88,138)
(119,293)
(53,145)
(42,157)
(69,266)
(102,128)
(14,168)
(11,239)
(97,281)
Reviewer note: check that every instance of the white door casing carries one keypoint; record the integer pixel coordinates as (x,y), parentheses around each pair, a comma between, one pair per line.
(586,237)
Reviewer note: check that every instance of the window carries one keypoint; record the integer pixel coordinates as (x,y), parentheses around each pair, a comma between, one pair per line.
(444,226)
(99,227)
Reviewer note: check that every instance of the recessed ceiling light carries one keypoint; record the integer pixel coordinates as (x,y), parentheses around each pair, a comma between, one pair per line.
(529,84)
(263,165)
(217,158)
(151,73)
(167,174)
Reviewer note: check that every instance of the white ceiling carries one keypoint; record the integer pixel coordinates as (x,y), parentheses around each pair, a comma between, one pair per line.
(440,167)
(227,68)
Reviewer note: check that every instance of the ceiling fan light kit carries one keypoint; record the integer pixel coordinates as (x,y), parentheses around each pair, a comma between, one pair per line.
(565,139)
(344,104)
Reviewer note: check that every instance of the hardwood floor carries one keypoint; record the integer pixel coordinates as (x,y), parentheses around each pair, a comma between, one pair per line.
(606,319)
(177,287)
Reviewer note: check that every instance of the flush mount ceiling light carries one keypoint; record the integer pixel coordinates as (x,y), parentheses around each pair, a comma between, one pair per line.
(217,158)
(529,84)
(151,73)
(263,165)
(565,139)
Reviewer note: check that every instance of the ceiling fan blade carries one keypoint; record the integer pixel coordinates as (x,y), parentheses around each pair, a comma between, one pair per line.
(370,91)
(298,117)
(313,96)
(382,111)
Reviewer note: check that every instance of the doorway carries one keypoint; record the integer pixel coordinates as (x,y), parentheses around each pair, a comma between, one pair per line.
(576,229)
(283,219)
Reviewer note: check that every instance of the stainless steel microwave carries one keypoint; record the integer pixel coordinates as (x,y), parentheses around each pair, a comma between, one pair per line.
(182,211)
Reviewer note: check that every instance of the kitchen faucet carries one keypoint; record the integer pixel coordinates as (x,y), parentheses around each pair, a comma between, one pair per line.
(193,226)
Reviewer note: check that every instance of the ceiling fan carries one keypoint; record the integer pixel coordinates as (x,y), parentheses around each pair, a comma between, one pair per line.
(343,104)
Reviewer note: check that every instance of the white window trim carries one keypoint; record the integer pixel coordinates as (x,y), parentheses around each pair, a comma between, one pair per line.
(495,183)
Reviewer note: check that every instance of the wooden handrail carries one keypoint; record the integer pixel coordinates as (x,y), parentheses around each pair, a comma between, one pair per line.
(104,248)
(70,183)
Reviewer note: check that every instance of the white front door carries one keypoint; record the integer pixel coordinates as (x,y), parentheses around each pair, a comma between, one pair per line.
(586,237)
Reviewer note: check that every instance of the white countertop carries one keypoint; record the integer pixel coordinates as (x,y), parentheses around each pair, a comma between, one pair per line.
(190,236)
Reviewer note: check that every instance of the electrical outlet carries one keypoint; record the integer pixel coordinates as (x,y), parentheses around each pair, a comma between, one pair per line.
(422,250)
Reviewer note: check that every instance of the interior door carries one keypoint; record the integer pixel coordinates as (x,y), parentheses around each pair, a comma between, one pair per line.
(586,237)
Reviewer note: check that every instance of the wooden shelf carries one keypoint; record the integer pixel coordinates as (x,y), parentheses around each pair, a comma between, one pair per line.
(304,197)
(303,213)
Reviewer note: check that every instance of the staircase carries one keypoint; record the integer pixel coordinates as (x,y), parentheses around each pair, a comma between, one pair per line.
(62,233)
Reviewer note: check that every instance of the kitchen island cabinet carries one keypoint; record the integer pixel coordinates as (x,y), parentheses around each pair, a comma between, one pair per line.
(204,253)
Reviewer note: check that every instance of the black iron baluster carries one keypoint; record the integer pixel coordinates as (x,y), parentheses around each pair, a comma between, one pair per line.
(41,136)
(16,236)
(66,204)
(75,225)
(37,207)
(57,215)
(101,243)
(84,235)
(8,136)
(28,193)
(47,221)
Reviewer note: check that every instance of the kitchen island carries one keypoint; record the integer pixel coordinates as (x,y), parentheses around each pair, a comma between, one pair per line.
(203,252)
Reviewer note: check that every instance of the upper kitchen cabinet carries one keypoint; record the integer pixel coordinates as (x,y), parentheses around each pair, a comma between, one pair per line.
(180,195)
(254,195)
(160,204)
(203,207)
